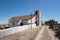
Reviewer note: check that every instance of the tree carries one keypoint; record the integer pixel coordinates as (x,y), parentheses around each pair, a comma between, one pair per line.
(51,23)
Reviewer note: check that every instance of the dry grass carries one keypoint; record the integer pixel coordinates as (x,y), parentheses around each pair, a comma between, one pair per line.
(29,34)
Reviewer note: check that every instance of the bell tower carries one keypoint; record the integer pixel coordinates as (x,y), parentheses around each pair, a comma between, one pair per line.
(37,17)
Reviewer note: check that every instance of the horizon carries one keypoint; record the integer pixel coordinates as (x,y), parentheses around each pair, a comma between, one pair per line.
(50,9)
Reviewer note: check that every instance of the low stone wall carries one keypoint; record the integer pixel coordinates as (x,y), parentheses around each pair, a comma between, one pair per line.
(9,31)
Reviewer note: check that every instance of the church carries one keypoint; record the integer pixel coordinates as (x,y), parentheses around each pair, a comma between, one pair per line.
(26,19)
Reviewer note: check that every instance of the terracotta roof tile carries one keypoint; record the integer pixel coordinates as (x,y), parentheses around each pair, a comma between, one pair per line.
(18,18)
(3,25)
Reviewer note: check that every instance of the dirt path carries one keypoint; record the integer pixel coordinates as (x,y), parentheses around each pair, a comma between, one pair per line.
(52,34)
(46,34)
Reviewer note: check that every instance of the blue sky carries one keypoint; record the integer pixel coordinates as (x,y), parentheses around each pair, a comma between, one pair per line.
(50,9)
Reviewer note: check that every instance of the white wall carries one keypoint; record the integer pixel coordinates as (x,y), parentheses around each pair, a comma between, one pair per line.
(15,23)
(40,18)
(25,22)
(33,20)
(9,31)
(19,22)
(11,24)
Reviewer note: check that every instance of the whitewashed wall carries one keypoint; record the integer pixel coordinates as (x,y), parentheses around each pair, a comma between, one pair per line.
(15,23)
(11,24)
(19,22)
(33,20)
(25,22)
(9,31)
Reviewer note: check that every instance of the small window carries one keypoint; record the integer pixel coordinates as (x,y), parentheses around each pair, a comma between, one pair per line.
(13,23)
(21,24)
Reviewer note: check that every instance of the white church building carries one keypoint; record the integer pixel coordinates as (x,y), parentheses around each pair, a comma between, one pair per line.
(26,20)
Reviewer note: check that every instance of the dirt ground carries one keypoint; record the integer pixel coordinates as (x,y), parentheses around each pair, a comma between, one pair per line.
(29,34)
